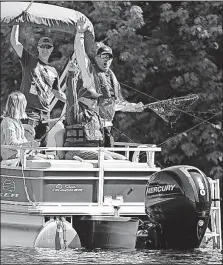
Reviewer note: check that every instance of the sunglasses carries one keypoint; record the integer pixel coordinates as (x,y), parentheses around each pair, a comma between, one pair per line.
(45,47)
(105,56)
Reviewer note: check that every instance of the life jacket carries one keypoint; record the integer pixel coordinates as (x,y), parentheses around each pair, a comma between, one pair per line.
(109,90)
(89,132)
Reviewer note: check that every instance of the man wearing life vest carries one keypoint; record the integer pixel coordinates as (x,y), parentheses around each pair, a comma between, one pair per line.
(97,73)
(39,83)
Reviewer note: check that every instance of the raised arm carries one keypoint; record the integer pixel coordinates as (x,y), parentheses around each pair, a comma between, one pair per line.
(14,39)
(82,58)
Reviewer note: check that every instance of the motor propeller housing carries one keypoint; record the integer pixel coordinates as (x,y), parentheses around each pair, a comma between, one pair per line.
(177,203)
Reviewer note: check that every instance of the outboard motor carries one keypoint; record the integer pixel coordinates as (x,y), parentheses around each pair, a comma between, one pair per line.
(177,203)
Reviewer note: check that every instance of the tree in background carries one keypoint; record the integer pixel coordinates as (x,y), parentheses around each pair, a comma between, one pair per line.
(162,50)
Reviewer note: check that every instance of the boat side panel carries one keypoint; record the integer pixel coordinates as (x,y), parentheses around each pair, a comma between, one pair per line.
(71,186)
(72,190)
(131,190)
(21,188)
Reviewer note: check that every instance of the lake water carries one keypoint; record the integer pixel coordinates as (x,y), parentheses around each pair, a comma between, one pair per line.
(81,256)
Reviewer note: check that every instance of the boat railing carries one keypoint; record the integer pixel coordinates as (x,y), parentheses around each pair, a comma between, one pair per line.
(101,167)
(135,158)
(215,215)
(127,148)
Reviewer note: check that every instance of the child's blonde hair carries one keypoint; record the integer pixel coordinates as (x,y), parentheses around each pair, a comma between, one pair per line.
(16,106)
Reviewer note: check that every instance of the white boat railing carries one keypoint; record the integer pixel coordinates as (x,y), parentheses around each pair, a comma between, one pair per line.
(121,147)
(215,216)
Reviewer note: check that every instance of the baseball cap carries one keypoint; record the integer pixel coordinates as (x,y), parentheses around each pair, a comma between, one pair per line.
(88,93)
(100,48)
(104,50)
(45,40)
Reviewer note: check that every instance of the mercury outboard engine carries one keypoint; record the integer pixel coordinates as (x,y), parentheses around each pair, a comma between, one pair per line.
(177,203)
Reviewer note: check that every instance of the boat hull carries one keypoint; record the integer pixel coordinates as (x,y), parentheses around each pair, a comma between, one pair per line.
(107,232)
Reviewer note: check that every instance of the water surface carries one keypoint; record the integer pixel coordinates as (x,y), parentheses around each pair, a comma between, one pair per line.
(19,255)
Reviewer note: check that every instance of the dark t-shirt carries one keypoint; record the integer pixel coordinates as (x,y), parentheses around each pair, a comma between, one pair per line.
(38,80)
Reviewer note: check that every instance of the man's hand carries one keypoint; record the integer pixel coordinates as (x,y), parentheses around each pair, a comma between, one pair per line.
(139,107)
(81,25)
(126,106)
(73,67)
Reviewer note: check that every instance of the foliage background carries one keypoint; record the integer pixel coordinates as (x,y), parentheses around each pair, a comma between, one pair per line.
(162,50)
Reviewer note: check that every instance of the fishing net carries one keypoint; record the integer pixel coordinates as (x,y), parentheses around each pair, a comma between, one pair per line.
(171,109)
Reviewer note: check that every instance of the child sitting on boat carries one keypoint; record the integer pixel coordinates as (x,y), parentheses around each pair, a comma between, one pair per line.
(12,130)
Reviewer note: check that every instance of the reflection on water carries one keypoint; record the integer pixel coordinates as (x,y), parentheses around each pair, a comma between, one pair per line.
(81,256)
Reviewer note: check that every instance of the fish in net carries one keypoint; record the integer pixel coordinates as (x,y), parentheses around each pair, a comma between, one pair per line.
(171,109)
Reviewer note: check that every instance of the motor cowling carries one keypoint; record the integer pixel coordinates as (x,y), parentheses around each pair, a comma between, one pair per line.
(177,203)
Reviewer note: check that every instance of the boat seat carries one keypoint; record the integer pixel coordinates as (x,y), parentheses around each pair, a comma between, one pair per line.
(93,155)
(116,156)
(58,164)
(85,155)
(120,164)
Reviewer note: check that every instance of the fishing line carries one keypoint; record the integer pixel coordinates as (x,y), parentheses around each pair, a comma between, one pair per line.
(161,100)
(121,133)
(188,130)
(170,139)
(210,111)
